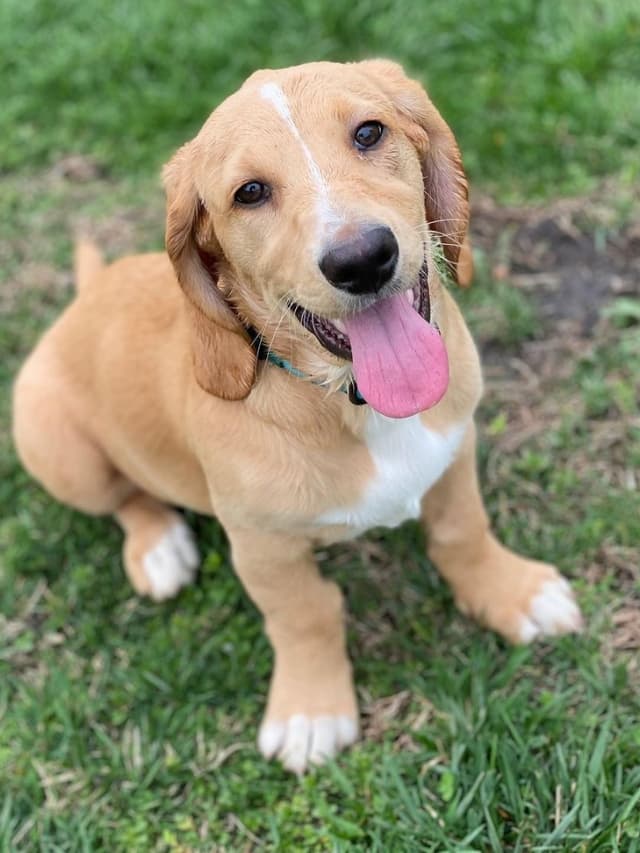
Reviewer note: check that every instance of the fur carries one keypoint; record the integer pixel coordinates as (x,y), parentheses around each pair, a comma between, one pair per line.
(146,393)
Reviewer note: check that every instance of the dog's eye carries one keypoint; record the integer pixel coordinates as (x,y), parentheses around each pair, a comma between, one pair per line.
(368,134)
(252,193)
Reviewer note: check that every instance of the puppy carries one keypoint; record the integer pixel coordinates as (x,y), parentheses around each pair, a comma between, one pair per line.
(294,366)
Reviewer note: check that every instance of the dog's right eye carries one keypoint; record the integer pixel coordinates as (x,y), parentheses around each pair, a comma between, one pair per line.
(252,194)
(368,134)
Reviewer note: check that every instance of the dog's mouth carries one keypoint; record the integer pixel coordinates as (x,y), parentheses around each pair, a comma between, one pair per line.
(399,359)
(332,334)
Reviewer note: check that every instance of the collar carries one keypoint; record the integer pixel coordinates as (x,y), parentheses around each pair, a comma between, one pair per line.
(264,353)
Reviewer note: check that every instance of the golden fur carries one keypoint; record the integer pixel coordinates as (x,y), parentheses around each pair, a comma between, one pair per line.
(146,395)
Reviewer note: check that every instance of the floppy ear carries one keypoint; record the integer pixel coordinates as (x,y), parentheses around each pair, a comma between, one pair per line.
(224,361)
(464,268)
(445,183)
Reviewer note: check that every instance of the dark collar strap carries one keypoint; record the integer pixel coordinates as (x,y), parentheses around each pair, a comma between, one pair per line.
(263,353)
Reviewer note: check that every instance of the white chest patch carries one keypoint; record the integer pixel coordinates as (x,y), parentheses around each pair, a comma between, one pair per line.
(409,459)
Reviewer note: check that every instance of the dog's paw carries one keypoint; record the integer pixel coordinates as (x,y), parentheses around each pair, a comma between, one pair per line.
(523,600)
(171,563)
(301,740)
(552,611)
(312,712)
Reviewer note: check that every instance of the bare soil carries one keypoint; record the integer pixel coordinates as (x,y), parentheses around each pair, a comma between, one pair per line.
(572,256)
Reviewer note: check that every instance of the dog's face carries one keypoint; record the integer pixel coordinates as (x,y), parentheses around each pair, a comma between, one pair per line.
(308,197)
(285,179)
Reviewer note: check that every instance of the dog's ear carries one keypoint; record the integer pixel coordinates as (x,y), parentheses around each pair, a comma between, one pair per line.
(224,361)
(464,267)
(445,183)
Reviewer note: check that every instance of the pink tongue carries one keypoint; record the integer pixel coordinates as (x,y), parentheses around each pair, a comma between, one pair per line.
(399,360)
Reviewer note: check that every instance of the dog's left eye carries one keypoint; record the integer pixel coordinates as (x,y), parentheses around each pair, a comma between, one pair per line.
(252,193)
(368,134)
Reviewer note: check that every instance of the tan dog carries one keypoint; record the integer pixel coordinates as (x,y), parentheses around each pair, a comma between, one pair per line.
(306,209)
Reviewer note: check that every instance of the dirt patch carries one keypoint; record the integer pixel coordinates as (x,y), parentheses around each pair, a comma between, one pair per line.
(574,260)
(571,257)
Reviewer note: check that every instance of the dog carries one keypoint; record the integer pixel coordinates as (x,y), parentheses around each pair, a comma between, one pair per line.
(295,365)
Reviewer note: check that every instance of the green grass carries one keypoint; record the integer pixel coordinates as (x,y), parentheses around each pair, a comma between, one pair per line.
(543,95)
(129,726)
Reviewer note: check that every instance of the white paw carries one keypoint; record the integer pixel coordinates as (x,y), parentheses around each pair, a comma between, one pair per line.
(172,562)
(301,740)
(553,611)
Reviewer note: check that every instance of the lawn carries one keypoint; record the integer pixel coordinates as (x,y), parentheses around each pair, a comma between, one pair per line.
(130,726)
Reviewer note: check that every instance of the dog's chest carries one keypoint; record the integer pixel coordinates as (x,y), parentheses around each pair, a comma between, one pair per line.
(408,459)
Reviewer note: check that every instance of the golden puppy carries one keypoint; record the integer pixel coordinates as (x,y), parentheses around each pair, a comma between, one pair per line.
(293,366)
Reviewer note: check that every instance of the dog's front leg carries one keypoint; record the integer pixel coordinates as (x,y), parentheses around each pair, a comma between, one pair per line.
(519,598)
(312,710)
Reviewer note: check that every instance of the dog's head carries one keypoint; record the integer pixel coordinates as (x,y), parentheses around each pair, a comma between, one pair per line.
(303,209)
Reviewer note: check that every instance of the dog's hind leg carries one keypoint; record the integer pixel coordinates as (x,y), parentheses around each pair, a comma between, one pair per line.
(54,446)
(519,598)
(159,554)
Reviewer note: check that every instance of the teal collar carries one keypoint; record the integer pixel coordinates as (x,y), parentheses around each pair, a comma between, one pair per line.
(349,388)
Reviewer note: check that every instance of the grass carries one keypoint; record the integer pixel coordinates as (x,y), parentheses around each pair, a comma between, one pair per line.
(543,95)
(129,726)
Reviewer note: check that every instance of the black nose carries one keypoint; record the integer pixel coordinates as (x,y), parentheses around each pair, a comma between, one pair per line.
(362,264)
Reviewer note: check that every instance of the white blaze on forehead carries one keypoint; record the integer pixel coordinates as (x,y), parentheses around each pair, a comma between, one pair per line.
(274,94)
